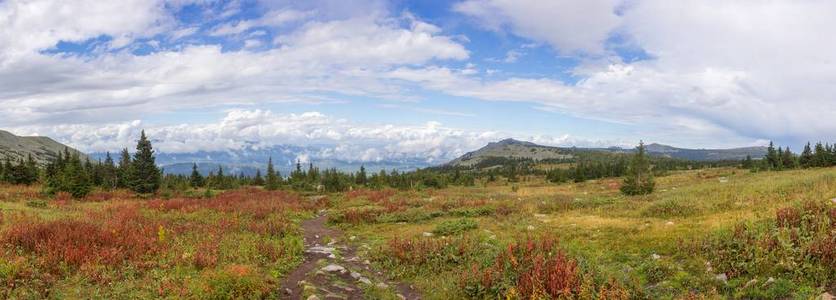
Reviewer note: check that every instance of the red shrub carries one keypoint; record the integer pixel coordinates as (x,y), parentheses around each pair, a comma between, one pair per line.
(788,217)
(536,268)
(206,254)
(255,202)
(124,236)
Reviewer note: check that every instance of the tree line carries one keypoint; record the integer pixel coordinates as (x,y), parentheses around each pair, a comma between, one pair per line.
(818,156)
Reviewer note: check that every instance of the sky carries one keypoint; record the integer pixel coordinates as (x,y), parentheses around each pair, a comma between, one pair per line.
(426,78)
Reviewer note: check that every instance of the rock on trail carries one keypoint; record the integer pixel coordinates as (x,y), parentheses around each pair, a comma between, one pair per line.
(333,271)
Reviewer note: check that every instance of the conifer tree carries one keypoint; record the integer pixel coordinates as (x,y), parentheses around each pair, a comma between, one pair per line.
(145,176)
(258,180)
(110,177)
(272,182)
(806,158)
(195,180)
(124,170)
(771,156)
(639,180)
(361,176)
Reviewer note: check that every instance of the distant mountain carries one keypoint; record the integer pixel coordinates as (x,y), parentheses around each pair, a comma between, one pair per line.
(706,154)
(249,159)
(510,148)
(42,148)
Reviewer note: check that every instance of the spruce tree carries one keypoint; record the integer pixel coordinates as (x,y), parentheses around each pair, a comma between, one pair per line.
(639,180)
(195,180)
(258,180)
(145,176)
(361,176)
(109,174)
(124,170)
(272,182)
(806,158)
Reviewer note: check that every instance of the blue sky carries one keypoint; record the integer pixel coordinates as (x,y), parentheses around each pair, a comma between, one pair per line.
(417,78)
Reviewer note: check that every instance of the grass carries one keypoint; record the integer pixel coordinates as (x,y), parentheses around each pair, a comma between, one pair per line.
(768,234)
(237,244)
(655,246)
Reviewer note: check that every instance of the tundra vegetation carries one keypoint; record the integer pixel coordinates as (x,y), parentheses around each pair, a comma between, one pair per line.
(728,230)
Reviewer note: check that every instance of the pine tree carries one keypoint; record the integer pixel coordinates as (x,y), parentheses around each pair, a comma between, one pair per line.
(195,180)
(639,180)
(820,156)
(771,156)
(788,159)
(806,158)
(258,179)
(110,177)
(272,182)
(361,176)
(145,176)
(124,170)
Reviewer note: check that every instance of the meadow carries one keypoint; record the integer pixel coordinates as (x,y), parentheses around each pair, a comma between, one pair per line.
(711,233)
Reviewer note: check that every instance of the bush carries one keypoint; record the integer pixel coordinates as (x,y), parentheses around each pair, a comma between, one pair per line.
(36,203)
(669,208)
(528,269)
(452,227)
(798,244)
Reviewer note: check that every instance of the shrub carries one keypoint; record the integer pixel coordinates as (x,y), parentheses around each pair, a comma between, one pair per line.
(528,269)
(452,227)
(798,244)
(36,203)
(669,208)
(236,282)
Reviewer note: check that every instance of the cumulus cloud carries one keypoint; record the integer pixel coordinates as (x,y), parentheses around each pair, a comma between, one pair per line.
(245,129)
(570,26)
(332,56)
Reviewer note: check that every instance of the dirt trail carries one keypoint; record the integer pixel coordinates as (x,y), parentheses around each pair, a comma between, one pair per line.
(332,270)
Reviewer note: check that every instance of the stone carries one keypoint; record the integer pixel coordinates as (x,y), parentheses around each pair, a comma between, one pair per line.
(365,280)
(382,285)
(352,238)
(321,250)
(288,291)
(721,277)
(669,223)
(655,256)
(825,296)
(400,296)
(333,268)
(313,297)
(769,281)
(750,283)
(355,275)
(833,200)
(427,234)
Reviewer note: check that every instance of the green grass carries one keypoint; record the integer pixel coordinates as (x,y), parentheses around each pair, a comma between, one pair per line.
(613,236)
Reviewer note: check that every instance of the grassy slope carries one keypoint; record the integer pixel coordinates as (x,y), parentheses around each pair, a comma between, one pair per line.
(617,234)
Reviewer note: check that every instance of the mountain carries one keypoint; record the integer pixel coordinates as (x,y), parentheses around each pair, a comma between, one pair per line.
(42,148)
(510,148)
(249,159)
(705,154)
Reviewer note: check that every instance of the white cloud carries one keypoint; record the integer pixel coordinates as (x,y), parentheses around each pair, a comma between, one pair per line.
(273,18)
(258,128)
(28,26)
(342,56)
(570,26)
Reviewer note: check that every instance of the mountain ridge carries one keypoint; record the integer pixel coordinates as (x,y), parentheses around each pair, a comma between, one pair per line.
(512,148)
(43,149)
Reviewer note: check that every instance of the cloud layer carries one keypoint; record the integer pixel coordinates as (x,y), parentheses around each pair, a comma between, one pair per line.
(716,73)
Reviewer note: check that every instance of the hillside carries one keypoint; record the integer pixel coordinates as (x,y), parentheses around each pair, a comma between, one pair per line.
(510,148)
(42,148)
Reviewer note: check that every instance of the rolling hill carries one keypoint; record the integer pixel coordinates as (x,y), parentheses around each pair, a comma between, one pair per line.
(42,148)
(511,148)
